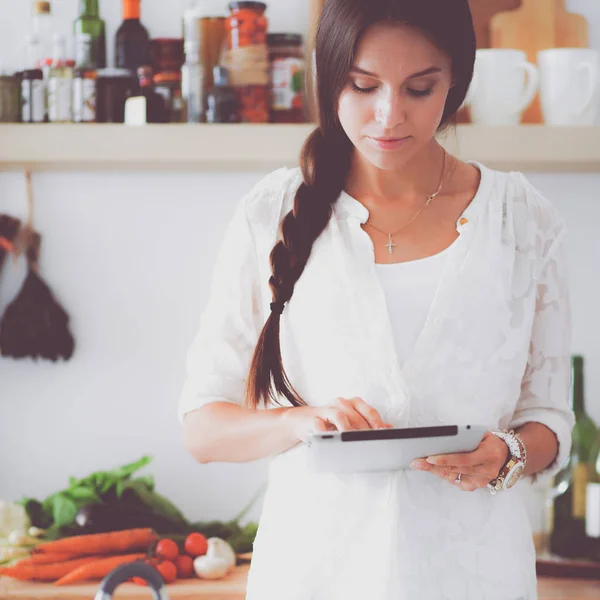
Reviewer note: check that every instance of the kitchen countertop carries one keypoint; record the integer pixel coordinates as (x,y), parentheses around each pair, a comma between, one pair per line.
(233,587)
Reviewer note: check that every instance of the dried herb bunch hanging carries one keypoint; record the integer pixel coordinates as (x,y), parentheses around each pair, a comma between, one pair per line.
(34,324)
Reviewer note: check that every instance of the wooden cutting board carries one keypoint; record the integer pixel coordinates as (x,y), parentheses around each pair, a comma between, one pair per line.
(538,25)
(483,11)
(232,587)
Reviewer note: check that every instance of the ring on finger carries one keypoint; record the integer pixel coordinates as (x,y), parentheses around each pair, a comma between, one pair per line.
(457,480)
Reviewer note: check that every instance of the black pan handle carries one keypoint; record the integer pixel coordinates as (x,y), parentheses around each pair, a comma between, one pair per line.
(124,573)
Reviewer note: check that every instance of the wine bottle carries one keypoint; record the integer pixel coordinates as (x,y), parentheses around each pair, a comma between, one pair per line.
(90,36)
(568,537)
(132,39)
(592,519)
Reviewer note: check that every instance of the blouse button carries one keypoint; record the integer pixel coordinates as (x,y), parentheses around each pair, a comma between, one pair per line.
(463,221)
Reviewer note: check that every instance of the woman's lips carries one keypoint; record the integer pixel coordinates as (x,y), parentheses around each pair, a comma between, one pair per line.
(388,143)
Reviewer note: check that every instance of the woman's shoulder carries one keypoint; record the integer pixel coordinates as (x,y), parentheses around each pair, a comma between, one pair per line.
(526,205)
(271,194)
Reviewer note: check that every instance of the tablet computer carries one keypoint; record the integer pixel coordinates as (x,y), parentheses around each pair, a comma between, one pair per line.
(387,449)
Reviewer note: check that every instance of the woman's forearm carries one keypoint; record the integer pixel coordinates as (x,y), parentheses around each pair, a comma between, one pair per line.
(227,432)
(541,444)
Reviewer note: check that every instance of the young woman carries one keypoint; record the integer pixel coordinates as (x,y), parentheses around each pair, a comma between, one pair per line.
(400,287)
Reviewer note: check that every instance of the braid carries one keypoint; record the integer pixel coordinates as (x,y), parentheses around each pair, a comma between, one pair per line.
(325,163)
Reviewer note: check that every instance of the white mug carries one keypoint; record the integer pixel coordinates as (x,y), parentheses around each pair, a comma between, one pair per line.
(504,85)
(570,85)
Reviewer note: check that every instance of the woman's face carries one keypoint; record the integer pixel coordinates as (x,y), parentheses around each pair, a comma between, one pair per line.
(394,98)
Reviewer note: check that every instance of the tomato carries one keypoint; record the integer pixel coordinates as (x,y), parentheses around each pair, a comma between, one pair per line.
(167,549)
(185,566)
(168,571)
(196,544)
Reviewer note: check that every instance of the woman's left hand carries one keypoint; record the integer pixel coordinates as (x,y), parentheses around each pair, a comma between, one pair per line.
(476,468)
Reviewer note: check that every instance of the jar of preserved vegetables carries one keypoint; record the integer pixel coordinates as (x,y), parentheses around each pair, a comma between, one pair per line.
(286,54)
(247,60)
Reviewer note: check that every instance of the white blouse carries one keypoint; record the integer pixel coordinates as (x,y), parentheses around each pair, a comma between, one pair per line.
(409,288)
(494,350)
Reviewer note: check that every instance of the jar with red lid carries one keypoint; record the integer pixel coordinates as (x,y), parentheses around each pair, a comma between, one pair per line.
(286,54)
(247,60)
(247,24)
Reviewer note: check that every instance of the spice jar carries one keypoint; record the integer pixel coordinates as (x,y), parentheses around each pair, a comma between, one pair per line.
(84,95)
(10,99)
(113,87)
(247,60)
(168,85)
(286,56)
(33,93)
(221,104)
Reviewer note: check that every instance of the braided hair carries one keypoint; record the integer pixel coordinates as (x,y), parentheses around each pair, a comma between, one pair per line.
(326,155)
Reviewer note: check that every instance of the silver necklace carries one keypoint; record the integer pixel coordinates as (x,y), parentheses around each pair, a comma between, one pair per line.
(390,245)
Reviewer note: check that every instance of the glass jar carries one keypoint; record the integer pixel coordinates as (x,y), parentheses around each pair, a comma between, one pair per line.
(192,84)
(247,25)
(221,104)
(84,95)
(247,60)
(286,55)
(168,85)
(204,32)
(166,54)
(113,87)
(10,99)
(33,93)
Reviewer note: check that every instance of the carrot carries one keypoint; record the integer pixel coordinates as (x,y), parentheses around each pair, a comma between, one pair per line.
(51,572)
(127,540)
(97,569)
(45,559)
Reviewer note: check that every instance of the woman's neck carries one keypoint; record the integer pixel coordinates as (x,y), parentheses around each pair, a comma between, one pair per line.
(409,186)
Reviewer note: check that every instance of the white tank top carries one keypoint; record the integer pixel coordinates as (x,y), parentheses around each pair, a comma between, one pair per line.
(409,289)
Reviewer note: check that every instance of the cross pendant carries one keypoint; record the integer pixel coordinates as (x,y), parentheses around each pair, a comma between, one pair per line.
(390,245)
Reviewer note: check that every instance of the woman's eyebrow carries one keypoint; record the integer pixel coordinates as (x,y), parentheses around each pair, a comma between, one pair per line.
(428,71)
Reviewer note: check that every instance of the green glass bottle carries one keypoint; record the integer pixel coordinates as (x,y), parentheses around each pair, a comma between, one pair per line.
(592,520)
(568,536)
(90,36)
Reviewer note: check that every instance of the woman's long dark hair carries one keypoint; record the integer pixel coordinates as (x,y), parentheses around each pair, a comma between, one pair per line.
(326,154)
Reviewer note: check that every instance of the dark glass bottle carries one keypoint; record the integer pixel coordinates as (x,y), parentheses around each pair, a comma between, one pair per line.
(90,36)
(568,537)
(132,40)
(221,103)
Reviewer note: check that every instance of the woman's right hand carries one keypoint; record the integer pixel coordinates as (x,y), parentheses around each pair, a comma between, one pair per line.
(342,415)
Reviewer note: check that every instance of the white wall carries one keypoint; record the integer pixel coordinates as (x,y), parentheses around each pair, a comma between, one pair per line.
(129,256)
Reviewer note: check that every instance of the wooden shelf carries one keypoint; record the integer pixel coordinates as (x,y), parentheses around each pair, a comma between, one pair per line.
(529,148)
